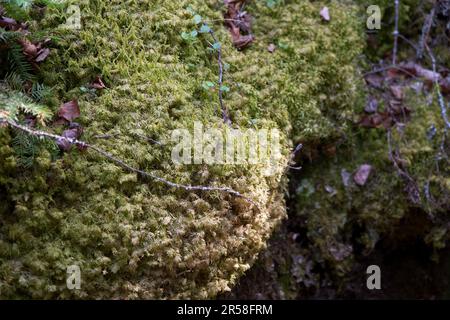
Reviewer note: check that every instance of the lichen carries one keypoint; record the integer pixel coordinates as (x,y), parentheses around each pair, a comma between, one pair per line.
(135,238)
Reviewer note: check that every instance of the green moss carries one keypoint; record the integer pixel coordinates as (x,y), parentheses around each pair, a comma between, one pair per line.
(138,239)
(338,216)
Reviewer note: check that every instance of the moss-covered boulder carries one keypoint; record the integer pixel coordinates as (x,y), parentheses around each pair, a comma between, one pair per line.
(408,180)
(138,238)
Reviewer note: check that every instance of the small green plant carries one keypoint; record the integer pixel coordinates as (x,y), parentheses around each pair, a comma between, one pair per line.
(14,103)
(216,47)
(28,147)
(273,3)
(20,3)
(189,36)
(17,67)
(208,85)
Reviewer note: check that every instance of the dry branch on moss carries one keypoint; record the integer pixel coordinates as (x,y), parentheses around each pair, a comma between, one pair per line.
(121,163)
(225,117)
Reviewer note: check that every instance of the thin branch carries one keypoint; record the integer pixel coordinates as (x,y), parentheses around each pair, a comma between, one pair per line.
(387,68)
(105,136)
(413,194)
(425,31)
(408,41)
(225,117)
(297,149)
(441,100)
(85,145)
(148,139)
(396,33)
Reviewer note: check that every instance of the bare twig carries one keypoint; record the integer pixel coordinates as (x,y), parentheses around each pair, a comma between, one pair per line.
(297,149)
(225,116)
(85,145)
(387,68)
(425,31)
(408,41)
(105,136)
(411,185)
(148,139)
(396,33)
(441,100)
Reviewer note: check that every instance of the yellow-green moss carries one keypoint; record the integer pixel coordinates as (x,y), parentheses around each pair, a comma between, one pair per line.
(138,239)
(338,216)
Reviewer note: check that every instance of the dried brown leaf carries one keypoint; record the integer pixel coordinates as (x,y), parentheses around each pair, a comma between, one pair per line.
(42,55)
(374,80)
(397,92)
(69,110)
(98,84)
(371,106)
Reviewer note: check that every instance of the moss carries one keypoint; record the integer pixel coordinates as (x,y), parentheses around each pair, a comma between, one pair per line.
(410,22)
(344,221)
(138,239)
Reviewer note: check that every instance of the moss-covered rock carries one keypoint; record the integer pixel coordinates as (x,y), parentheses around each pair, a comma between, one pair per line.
(135,238)
(344,221)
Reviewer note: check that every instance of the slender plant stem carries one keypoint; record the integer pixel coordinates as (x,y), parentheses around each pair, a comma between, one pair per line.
(85,145)
(225,116)
(394,55)
(441,100)
(425,31)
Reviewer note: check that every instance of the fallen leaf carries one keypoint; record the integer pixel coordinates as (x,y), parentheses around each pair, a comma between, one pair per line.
(74,132)
(34,52)
(29,49)
(69,110)
(397,92)
(42,55)
(10,24)
(371,106)
(374,80)
(345,175)
(377,119)
(362,174)
(239,23)
(98,84)
(242,42)
(65,145)
(325,14)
